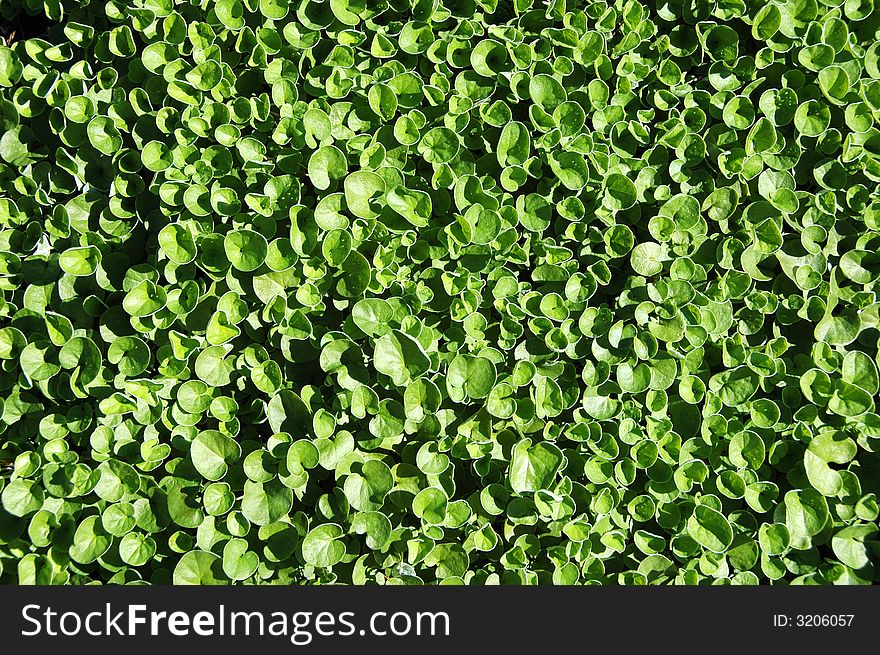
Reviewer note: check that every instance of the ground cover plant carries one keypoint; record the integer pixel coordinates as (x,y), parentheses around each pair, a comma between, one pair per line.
(439,291)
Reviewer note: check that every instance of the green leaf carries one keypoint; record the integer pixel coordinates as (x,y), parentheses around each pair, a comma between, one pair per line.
(22,497)
(103,135)
(850,548)
(805,514)
(17,147)
(177,243)
(212,452)
(199,568)
(372,316)
(710,529)
(136,549)
(620,192)
(363,189)
(514,145)
(430,505)
(245,249)
(322,546)
(80,262)
(470,377)
(736,386)
(366,489)
(534,467)
(489,57)
(546,92)
(10,67)
(326,164)
(265,503)
(812,118)
(439,145)
(647,258)
(414,206)
(156,156)
(400,357)
(839,330)
(144,299)
(774,538)
(90,541)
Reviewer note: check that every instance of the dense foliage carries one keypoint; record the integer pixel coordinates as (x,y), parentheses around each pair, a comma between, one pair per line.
(457,291)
